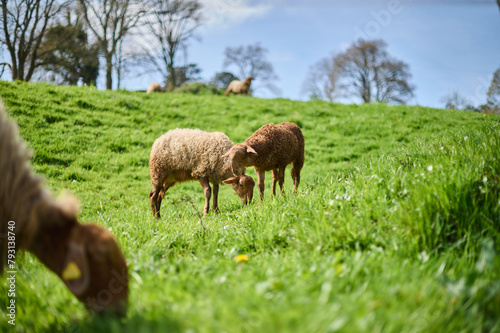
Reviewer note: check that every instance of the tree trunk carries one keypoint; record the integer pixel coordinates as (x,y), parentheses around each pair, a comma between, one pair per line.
(171,70)
(20,70)
(13,70)
(109,71)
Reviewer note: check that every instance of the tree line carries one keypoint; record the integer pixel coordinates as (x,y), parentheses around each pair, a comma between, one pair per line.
(366,71)
(66,41)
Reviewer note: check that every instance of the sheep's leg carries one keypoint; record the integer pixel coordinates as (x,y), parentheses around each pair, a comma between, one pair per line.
(215,206)
(295,176)
(261,175)
(153,197)
(275,180)
(281,177)
(207,190)
(161,195)
(156,196)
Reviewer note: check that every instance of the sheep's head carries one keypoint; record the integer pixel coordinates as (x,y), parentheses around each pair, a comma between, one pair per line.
(95,270)
(243,186)
(85,256)
(240,156)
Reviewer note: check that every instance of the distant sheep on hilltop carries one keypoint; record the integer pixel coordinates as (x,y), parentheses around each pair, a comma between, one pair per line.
(271,147)
(239,87)
(191,154)
(155,87)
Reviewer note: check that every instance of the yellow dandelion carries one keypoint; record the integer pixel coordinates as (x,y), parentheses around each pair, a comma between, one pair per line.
(241,258)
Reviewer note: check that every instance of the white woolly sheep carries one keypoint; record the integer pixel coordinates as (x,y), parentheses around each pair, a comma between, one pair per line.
(155,87)
(271,147)
(85,256)
(191,154)
(239,87)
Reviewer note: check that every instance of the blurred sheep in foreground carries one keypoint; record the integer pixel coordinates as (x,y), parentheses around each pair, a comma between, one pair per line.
(85,256)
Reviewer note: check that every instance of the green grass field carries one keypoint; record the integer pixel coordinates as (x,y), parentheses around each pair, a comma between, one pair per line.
(395,227)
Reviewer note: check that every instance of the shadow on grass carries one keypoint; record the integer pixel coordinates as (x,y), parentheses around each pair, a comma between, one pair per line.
(134,323)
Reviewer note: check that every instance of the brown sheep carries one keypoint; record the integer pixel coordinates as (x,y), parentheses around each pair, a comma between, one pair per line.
(271,147)
(155,87)
(191,154)
(85,256)
(239,87)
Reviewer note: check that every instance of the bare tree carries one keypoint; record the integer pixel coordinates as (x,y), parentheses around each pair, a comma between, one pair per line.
(126,57)
(366,70)
(170,23)
(251,62)
(392,82)
(321,81)
(23,25)
(110,21)
(455,101)
(493,95)
(3,65)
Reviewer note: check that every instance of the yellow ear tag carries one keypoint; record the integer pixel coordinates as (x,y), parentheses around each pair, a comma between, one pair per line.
(71,272)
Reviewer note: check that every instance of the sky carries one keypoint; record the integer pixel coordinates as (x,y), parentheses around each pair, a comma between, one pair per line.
(450,45)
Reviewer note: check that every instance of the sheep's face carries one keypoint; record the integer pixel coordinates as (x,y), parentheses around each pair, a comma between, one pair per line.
(240,156)
(95,270)
(85,256)
(243,186)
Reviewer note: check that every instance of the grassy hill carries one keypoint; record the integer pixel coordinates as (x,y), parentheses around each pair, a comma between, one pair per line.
(395,226)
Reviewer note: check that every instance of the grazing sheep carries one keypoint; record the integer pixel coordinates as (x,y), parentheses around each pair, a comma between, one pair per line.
(191,154)
(239,87)
(271,147)
(85,256)
(155,87)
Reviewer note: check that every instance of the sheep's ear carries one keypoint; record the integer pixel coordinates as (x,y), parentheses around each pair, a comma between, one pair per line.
(250,150)
(232,180)
(75,273)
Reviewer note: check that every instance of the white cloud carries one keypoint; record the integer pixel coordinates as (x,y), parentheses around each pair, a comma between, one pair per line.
(224,12)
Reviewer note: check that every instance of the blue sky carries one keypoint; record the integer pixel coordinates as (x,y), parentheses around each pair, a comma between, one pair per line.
(449,45)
